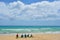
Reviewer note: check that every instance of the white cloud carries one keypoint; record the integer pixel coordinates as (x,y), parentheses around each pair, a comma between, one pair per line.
(37,11)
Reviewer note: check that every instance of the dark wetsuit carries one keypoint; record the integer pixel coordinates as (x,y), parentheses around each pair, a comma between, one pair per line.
(17,36)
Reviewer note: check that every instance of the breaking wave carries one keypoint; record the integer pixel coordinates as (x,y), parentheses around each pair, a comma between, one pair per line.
(31,30)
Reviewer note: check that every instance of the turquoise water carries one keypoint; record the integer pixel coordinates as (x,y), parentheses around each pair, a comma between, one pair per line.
(29,29)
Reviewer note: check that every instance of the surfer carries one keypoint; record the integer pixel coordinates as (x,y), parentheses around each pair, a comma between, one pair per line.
(17,36)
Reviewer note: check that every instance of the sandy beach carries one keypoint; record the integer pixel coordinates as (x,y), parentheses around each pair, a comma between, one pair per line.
(35,37)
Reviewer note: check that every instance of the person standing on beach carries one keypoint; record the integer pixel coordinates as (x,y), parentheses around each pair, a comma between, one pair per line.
(17,36)
(25,36)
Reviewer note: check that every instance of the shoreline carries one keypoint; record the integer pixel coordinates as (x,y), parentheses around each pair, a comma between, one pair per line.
(27,33)
(35,37)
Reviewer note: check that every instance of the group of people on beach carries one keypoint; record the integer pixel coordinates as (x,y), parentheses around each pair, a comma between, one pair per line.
(24,35)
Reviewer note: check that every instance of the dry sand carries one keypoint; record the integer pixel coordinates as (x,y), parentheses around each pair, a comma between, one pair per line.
(35,37)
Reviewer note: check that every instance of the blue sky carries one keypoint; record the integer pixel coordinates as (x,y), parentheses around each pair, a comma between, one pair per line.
(30,12)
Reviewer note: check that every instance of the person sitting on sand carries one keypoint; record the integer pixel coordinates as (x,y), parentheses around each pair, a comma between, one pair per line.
(17,36)
(27,35)
(31,35)
(22,36)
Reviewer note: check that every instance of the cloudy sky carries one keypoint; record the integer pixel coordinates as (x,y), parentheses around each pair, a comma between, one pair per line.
(30,12)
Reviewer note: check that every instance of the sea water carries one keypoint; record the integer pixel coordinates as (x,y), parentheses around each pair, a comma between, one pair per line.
(29,29)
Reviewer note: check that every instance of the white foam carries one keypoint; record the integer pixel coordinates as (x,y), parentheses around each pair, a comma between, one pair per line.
(16,29)
(35,30)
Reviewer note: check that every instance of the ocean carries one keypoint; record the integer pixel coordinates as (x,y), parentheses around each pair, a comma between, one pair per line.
(29,29)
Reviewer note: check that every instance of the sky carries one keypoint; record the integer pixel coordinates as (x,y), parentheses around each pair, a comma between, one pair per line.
(30,12)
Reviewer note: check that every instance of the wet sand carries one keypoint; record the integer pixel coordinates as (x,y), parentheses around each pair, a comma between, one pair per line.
(35,37)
